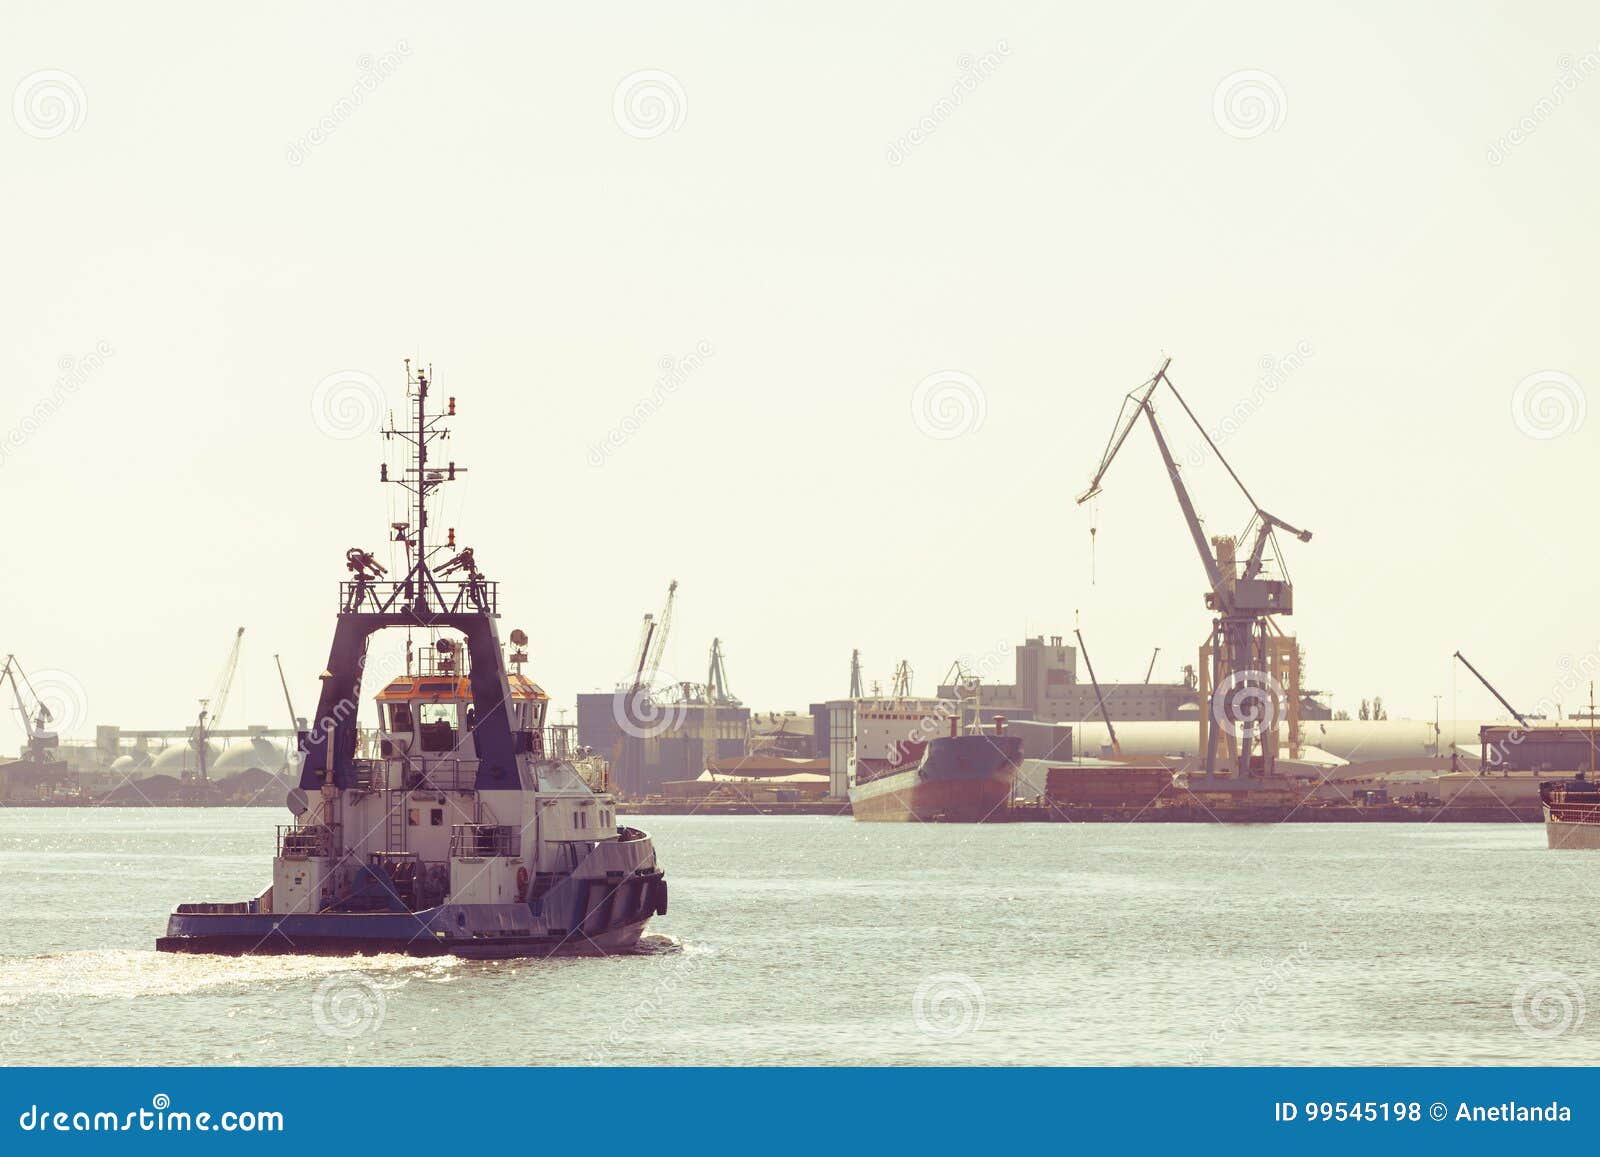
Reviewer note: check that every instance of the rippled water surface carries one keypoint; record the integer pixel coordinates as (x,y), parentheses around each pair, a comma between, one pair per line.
(820,941)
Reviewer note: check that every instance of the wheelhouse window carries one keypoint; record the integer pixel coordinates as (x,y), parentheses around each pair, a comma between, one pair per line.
(400,717)
(438,730)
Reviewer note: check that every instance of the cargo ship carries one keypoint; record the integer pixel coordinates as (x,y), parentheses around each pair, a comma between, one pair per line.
(1571,812)
(459,827)
(956,778)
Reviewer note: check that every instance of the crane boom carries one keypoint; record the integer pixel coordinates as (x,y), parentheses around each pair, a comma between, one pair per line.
(294,720)
(1105,714)
(663,625)
(219,697)
(1493,691)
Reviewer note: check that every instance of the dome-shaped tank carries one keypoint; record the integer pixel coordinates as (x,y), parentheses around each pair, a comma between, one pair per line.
(131,764)
(178,760)
(258,753)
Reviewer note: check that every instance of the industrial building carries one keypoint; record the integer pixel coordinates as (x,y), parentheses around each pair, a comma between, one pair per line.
(1048,689)
(670,740)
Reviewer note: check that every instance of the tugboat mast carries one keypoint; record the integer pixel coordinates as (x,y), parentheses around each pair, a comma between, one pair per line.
(419,482)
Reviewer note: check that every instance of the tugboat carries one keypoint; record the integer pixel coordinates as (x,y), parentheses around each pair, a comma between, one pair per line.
(461,826)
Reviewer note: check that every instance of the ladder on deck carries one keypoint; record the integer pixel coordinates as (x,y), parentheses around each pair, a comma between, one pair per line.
(395,839)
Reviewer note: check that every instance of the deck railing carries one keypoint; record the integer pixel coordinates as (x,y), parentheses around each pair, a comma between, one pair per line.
(482,841)
(303,843)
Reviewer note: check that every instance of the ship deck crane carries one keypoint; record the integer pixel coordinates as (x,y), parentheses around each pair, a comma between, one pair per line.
(1242,600)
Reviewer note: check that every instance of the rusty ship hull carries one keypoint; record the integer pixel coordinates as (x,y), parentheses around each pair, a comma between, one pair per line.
(960,779)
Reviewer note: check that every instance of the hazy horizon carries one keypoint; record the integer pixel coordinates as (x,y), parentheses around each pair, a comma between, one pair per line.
(876,280)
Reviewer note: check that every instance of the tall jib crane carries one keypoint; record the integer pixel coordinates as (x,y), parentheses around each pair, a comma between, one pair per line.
(1244,696)
(652,644)
(717,696)
(662,626)
(42,743)
(212,705)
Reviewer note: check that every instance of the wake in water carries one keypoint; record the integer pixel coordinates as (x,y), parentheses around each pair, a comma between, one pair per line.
(126,974)
(123,974)
(652,944)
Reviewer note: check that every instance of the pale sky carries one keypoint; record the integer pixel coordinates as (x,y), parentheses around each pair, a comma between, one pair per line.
(1405,195)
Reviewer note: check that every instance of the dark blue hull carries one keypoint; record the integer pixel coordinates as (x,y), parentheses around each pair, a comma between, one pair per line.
(610,918)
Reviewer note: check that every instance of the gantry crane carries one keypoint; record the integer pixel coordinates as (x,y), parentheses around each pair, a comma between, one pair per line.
(209,713)
(1244,697)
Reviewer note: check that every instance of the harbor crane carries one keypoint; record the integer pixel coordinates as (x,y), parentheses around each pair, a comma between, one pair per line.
(1244,695)
(855,674)
(652,645)
(902,680)
(219,697)
(42,743)
(717,695)
(663,625)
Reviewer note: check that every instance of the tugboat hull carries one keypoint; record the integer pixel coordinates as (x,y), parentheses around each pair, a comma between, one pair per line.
(964,779)
(612,921)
